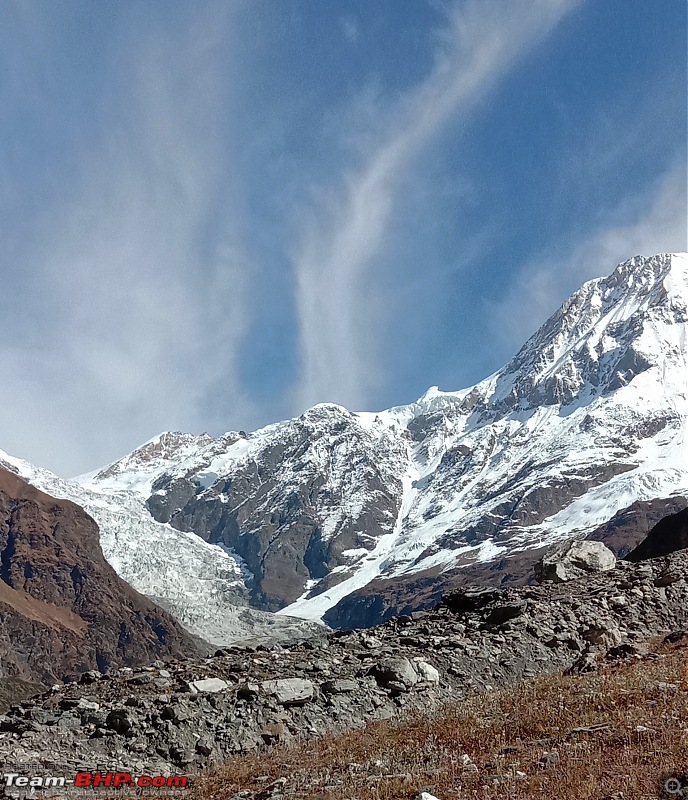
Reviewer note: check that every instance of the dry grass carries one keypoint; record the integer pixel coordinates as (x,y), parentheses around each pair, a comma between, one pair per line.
(612,731)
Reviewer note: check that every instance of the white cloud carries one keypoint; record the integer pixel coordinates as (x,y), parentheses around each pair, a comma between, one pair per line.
(336,302)
(656,225)
(136,283)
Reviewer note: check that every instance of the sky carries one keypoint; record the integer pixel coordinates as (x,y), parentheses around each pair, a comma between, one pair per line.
(214,215)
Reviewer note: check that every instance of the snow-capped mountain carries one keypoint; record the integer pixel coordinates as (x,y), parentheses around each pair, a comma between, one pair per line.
(588,417)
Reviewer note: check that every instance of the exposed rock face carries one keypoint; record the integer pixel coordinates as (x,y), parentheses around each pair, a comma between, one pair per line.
(668,535)
(63,609)
(571,560)
(297,499)
(628,527)
(183,715)
(383,599)
(583,421)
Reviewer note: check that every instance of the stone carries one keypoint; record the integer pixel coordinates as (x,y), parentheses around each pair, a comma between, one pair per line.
(586,662)
(65,721)
(550,758)
(505,612)
(180,755)
(606,636)
(574,559)
(119,721)
(396,669)
(204,747)
(275,732)
(467,764)
(289,691)
(668,576)
(175,712)
(208,685)
(426,671)
(675,636)
(141,680)
(339,686)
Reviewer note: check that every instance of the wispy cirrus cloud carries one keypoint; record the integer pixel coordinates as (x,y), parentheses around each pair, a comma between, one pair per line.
(335,261)
(163,271)
(133,298)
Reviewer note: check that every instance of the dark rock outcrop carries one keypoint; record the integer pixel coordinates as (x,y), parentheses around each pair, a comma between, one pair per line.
(63,609)
(667,536)
(282,500)
(628,527)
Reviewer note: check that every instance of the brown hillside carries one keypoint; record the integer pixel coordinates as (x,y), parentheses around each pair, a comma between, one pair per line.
(63,609)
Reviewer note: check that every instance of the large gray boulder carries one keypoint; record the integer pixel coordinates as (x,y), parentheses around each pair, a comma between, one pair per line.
(571,560)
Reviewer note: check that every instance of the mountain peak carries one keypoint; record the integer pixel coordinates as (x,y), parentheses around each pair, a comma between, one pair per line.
(605,334)
(645,272)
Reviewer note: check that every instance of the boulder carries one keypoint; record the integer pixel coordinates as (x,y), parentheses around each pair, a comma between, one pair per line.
(339,686)
(396,669)
(426,671)
(505,612)
(289,691)
(571,560)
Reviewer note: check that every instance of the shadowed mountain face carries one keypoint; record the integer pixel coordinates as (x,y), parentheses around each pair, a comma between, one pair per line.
(63,609)
(667,536)
(627,529)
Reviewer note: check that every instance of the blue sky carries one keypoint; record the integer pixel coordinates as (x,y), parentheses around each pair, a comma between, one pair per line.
(216,214)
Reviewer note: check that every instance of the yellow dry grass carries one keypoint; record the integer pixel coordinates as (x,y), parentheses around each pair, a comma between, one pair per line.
(607,734)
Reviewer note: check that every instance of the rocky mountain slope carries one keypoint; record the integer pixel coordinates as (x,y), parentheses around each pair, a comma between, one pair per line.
(199,583)
(587,419)
(63,608)
(179,716)
(383,598)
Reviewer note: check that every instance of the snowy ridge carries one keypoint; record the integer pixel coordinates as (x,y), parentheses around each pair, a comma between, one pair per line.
(589,416)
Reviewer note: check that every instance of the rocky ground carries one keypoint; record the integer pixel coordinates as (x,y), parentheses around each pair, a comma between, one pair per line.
(178,717)
(615,733)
